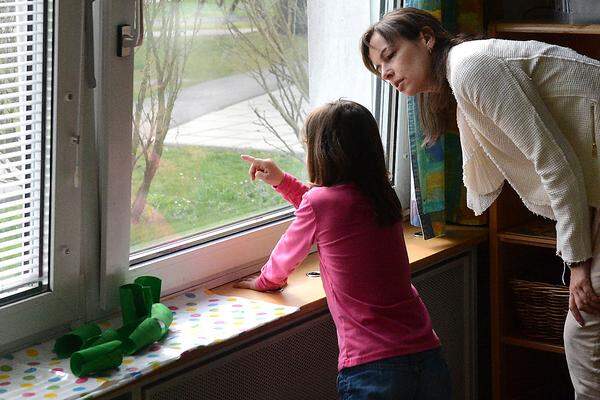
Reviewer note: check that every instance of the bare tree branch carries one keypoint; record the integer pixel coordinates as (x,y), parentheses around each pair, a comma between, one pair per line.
(280,53)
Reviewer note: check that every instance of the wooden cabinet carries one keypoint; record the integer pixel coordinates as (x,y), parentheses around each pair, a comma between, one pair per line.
(523,246)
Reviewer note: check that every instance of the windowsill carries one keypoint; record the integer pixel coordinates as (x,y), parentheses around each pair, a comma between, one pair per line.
(308,295)
(305,293)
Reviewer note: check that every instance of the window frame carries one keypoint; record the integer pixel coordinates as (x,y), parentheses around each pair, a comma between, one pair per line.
(26,320)
(206,262)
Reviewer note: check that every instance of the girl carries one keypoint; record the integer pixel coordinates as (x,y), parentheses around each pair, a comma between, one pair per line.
(387,347)
(528,113)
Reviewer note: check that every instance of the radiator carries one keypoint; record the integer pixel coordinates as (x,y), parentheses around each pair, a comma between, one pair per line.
(300,362)
(448,291)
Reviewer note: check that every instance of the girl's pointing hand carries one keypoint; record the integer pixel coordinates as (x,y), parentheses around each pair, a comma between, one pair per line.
(264,169)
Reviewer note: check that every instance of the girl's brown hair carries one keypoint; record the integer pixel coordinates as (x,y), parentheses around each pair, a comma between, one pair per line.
(344,146)
(437,107)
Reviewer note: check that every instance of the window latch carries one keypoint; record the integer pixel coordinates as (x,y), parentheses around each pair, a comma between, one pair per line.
(130,38)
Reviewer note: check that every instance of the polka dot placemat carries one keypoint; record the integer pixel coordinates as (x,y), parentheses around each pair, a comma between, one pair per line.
(199,319)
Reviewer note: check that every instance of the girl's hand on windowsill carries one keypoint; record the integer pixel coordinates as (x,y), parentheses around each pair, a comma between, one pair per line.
(251,283)
(264,169)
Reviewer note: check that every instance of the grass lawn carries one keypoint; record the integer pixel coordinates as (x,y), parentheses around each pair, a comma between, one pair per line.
(199,188)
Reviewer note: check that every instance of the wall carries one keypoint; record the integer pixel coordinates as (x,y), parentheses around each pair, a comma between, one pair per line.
(335,66)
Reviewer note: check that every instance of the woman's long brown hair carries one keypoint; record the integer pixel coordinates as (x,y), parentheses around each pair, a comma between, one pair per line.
(344,146)
(437,108)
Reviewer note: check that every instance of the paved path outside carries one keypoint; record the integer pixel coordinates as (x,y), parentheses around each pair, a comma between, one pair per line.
(214,95)
(235,126)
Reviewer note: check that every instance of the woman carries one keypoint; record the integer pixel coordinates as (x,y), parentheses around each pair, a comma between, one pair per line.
(528,113)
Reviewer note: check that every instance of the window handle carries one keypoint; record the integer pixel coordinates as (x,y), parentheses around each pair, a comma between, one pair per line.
(130,38)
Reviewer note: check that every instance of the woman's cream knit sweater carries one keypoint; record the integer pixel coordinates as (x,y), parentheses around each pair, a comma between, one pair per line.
(529,113)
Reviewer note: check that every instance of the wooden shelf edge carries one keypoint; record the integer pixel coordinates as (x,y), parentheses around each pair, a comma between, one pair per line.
(533,344)
(508,237)
(544,27)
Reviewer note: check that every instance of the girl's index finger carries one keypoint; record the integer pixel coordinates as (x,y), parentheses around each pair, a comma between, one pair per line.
(248,159)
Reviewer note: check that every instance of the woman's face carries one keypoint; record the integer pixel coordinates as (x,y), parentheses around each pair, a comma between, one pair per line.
(406,64)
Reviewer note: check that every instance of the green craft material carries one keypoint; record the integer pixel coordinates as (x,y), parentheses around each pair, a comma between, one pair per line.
(154,283)
(126,330)
(96,359)
(163,315)
(77,339)
(145,321)
(148,332)
(136,302)
(107,336)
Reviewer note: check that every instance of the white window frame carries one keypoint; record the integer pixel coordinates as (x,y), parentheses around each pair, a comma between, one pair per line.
(33,317)
(208,264)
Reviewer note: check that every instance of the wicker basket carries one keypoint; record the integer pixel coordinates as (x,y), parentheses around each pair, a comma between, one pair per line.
(541,309)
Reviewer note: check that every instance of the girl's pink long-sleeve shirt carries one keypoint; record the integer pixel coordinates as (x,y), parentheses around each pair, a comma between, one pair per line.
(364,268)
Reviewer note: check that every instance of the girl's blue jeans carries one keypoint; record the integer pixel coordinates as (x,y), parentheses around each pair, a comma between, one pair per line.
(419,376)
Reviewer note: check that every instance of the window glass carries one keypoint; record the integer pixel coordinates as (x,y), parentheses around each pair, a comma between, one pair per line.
(25,146)
(214,79)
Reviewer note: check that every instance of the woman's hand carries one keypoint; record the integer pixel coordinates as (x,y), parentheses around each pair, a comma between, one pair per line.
(582,296)
(264,169)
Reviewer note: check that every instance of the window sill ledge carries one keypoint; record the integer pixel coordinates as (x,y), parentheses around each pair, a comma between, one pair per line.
(308,295)
(302,292)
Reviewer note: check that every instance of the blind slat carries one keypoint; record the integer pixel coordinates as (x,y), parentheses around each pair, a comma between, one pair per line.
(18,265)
(10,214)
(20,182)
(19,94)
(33,114)
(9,243)
(6,164)
(11,205)
(29,248)
(19,281)
(20,104)
(20,83)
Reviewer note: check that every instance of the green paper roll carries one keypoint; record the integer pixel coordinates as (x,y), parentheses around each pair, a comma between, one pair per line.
(154,283)
(148,332)
(136,302)
(76,340)
(107,336)
(163,315)
(126,330)
(97,358)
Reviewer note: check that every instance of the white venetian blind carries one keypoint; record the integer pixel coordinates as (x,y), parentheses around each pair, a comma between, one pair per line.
(25,146)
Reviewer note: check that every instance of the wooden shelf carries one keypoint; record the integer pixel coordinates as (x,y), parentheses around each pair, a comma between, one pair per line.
(540,345)
(539,27)
(533,233)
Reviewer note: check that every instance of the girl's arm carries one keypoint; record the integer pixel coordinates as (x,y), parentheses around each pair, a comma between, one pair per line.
(509,98)
(291,189)
(291,250)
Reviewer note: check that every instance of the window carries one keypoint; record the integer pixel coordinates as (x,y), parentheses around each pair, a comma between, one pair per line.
(24,155)
(39,220)
(212,80)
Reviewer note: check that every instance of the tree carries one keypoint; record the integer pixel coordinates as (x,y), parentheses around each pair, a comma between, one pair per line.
(168,39)
(281,53)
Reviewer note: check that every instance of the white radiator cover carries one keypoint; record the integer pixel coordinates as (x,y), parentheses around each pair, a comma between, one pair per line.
(300,362)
